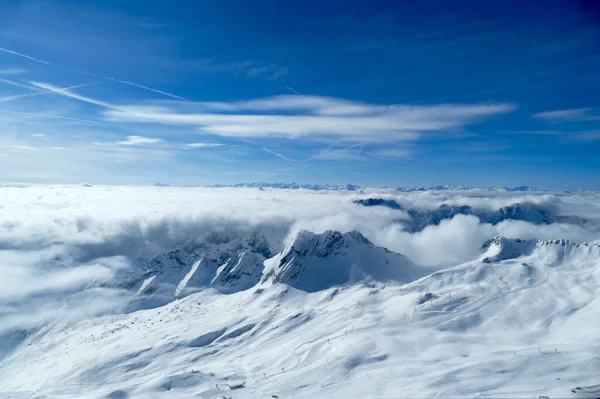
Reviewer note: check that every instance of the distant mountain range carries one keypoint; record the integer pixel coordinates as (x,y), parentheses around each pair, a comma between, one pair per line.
(525,211)
(354,187)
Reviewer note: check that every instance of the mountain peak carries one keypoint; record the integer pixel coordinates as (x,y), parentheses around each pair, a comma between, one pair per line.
(322,245)
(314,262)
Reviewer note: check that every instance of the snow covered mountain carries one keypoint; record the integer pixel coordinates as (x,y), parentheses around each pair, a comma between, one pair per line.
(520,321)
(453,187)
(228,264)
(146,292)
(354,187)
(311,262)
(528,212)
(314,262)
(553,252)
(295,186)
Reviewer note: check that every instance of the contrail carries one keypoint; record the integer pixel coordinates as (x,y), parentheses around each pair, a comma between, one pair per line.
(17,84)
(66,93)
(24,56)
(330,146)
(87,73)
(348,148)
(292,90)
(52,117)
(93,74)
(17,96)
(151,89)
(278,155)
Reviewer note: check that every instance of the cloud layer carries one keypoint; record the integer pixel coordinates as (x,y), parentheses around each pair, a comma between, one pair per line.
(59,244)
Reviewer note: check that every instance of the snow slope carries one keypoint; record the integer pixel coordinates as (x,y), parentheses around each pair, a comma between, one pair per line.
(520,321)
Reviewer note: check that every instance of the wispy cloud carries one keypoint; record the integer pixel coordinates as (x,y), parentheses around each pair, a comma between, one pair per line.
(535,132)
(313,117)
(13,71)
(575,114)
(22,147)
(202,145)
(588,136)
(255,71)
(319,105)
(278,73)
(139,140)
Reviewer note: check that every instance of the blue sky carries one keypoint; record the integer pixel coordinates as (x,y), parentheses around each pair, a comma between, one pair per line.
(375,93)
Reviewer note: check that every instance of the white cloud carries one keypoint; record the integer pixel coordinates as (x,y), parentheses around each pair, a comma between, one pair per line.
(575,114)
(297,116)
(318,117)
(139,140)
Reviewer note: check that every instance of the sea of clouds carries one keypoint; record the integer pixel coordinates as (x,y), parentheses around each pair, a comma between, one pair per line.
(60,246)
